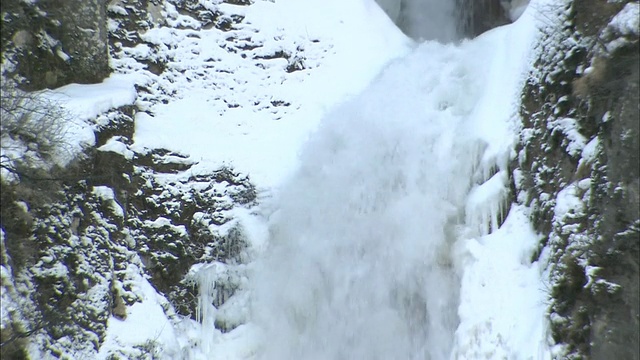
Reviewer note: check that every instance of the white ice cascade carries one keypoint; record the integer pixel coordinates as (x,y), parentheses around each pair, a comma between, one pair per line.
(362,260)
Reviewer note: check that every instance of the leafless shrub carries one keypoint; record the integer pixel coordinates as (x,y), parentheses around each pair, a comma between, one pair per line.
(32,129)
(583,86)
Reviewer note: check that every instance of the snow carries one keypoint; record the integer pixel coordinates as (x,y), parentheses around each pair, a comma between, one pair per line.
(569,127)
(344,46)
(567,202)
(85,102)
(115,145)
(117,9)
(77,104)
(162,222)
(88,101)
(146,324)
(589,151)
(104,192)
(62,55)
(504,315)
(6,279)
(107,195)
(624,28)
(627,21)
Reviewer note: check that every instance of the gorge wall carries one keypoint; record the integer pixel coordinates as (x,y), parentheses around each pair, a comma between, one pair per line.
(578,170)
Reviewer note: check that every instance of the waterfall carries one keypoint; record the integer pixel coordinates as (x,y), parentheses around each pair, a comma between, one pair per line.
(368,251)
(361,263)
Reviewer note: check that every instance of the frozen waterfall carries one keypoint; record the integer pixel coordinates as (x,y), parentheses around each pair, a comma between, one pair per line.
(362,259)
(368,251)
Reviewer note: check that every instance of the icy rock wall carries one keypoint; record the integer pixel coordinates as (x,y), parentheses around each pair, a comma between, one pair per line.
(449,20)
(477,16)
(423,19)
(578,169)
(49,44)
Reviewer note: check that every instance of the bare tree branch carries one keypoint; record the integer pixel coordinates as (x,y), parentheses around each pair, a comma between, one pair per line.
(32,128)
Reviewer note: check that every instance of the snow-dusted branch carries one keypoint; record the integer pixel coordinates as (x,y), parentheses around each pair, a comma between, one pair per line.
(32,129)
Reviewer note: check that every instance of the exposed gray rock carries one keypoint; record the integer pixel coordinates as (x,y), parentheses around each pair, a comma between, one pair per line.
(446,20)
(77,240)
(478,16)
(580,174)
(50,44)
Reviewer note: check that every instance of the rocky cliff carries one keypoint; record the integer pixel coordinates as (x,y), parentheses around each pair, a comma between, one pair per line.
(578,169)
(78,240)
(53,43)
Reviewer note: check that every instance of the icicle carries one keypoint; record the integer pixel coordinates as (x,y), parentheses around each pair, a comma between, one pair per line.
(207,278)
(486,203)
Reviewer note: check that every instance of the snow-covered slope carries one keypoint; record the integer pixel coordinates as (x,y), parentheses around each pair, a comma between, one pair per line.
(250,96)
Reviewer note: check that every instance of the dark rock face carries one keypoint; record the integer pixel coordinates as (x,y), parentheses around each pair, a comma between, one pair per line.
(478,16)
(615,319)
(580,166)
(53,43)
(445,21)
(62,260)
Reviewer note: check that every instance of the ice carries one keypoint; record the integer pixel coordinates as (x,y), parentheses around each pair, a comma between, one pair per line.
(487,202)
(367,257)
